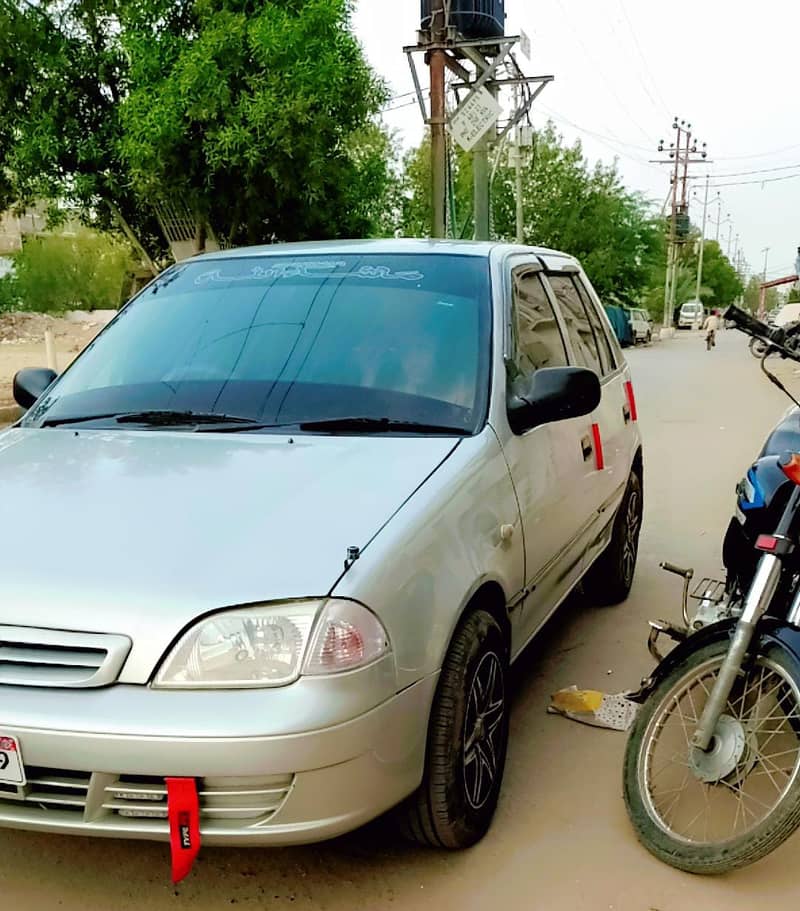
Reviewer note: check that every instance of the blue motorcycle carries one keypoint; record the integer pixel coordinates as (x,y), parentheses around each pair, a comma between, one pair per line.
(712,766)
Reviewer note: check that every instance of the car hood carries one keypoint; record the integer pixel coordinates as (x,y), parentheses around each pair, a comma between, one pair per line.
(138,533)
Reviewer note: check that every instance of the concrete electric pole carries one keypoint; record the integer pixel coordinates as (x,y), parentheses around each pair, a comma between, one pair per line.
(683,152)
(702,245)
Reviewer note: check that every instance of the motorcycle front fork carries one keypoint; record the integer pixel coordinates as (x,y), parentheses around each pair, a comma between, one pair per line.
(758,599)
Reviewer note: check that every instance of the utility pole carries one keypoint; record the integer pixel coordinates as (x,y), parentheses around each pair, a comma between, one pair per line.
(482,60)
(520,190)
(480,188)
(682,153)
(438,119)
(765,251)
(730,232)
(702,245)
(518,180)
(719,212)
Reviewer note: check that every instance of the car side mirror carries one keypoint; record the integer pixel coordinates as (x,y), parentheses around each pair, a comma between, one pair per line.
(30,383)
(552,394)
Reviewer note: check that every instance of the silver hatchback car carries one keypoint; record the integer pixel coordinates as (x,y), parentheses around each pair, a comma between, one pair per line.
(308,504)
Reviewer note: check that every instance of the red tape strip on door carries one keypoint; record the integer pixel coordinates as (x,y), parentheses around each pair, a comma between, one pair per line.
(598,447)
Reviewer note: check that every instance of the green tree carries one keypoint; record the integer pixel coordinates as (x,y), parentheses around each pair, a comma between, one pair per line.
(85,270)
(254,113)
(567,205)
(258,114)
(63,74)
(752,294)
(721,284)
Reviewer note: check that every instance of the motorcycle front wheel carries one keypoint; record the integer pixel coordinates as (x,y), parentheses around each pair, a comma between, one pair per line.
(717,810)
(758,348)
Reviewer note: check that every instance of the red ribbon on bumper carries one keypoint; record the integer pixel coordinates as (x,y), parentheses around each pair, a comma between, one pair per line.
(183,808)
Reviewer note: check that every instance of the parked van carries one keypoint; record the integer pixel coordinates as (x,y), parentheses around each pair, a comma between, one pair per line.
(691,314)
(641,324)
(788,313)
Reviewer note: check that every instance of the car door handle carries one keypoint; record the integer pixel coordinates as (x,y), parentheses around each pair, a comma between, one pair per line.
(626,413)
(587,448)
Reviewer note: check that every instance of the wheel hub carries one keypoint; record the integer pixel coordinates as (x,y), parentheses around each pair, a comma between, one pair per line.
(731,751)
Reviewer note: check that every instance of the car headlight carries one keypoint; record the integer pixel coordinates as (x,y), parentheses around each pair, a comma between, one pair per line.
(273,644)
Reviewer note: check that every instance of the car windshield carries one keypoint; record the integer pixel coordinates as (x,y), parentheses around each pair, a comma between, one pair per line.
(282,340)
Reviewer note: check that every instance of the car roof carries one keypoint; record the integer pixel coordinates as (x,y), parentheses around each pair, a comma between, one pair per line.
(551,259)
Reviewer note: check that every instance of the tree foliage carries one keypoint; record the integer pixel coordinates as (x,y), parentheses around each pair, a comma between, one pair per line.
(567,205)
(256,114)
(721,284)
(752,294)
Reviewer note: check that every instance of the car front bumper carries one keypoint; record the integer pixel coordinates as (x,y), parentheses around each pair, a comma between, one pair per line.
(273,789)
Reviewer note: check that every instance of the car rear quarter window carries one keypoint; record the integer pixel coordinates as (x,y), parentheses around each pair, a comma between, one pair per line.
(600,331)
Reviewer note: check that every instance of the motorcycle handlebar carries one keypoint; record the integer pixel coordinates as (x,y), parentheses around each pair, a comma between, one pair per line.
(785,340)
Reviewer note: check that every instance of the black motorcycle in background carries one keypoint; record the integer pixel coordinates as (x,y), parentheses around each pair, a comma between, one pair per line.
(712,767)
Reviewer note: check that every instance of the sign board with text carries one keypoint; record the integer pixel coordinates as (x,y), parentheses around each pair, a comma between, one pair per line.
(474,117)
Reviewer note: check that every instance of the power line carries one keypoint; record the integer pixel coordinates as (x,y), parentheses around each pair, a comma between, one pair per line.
(404,104)
(608,82)
(644,62)
(758,154)
(744,183)
(602,138)
(786,167)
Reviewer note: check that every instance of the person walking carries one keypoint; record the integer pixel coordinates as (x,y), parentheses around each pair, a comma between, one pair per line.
(710,327)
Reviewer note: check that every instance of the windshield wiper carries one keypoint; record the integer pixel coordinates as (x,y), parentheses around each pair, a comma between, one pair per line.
(380,425)
(159,418)
(166,418)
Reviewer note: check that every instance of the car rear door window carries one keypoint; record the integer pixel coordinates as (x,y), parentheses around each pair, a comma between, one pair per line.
(601,335)
(537,335)
(579,327)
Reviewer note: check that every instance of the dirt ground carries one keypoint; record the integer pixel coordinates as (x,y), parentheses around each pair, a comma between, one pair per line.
(561,839)
(22,345)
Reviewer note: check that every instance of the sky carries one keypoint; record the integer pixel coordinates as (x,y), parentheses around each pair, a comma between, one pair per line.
(623,71)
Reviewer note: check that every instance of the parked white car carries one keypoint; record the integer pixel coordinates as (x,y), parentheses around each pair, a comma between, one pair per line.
(691,315)
(313,501)
(641,325)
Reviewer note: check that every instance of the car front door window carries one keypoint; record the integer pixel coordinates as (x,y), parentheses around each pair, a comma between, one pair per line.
(576,319)
(538,341)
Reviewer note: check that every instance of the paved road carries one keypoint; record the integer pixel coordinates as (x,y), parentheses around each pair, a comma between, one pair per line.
(561,839)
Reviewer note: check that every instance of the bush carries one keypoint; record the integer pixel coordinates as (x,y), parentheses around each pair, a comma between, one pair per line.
(85,270)
(9,297)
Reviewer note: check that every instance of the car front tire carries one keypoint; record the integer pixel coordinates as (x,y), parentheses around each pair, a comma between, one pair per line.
(467,740)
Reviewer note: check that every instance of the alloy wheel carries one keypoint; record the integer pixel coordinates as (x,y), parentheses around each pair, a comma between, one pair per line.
(483,730)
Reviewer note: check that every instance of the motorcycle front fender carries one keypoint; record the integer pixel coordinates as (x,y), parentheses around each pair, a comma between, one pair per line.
(772,633)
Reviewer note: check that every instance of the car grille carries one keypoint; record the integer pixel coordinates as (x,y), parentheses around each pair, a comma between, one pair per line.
(95,797)
(55,658)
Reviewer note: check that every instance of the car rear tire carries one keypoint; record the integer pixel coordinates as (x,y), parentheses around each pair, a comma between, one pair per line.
(610,578)
(467,739)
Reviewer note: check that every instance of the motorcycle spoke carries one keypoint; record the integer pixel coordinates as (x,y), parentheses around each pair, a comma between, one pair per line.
(766,771)
(676,799)
(794,750)
(767,705)
(748,689)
